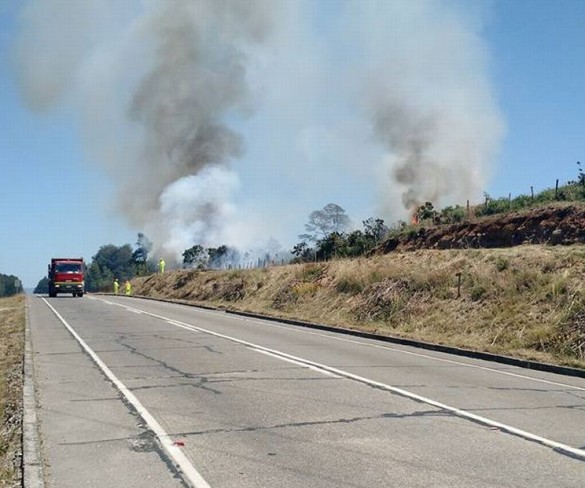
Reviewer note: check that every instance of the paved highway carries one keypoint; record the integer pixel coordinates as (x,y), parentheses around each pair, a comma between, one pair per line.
(138,393)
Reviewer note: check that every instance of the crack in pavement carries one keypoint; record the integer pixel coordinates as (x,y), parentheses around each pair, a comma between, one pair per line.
(229,380)
(201,379)
(310,423)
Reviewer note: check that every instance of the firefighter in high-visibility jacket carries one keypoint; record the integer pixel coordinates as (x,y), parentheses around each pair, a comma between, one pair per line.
(116,286)
(128,288)
(161,266)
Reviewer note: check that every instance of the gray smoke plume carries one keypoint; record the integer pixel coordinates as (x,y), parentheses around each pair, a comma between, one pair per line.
(198,76)
(428,99)
(164,88)
(156,94)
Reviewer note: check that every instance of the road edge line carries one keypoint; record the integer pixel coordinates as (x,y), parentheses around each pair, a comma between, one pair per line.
(174,452)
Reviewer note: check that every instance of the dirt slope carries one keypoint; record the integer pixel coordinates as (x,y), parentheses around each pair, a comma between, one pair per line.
(552,224)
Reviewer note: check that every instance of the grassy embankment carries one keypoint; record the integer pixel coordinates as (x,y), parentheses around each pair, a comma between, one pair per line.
(526,301)
(11,363)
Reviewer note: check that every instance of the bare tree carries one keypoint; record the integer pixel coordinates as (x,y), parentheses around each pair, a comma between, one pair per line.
(331,218)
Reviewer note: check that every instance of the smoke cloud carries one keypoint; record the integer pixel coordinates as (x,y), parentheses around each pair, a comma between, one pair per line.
(156,84)
(428,98)
(168,90)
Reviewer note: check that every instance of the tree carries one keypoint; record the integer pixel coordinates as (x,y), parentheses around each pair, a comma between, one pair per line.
(223,257)
(334,245)
(98,278)
(374,230)
(331,218)
(273,250)
(140,255)
(110,262)
(303,253)
(42,286)
(357,243)
(9,285)
(195,257)
(428,212)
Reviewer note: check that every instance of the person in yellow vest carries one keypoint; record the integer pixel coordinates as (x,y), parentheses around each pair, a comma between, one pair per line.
(128,288)
(116,286)
(161,266)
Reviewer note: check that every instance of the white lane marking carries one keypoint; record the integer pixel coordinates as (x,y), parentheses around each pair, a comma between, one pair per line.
(410,353)
(172,450)
(304,330)
(298,363)
(380,346)
(579,453)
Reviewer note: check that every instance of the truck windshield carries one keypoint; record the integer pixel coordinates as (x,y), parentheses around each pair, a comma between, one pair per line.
(68,268)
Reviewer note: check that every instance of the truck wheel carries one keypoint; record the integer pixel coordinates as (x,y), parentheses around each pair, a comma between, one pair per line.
(52,293)
(80,294)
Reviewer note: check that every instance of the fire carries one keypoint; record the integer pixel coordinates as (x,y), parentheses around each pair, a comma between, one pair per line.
(414,218)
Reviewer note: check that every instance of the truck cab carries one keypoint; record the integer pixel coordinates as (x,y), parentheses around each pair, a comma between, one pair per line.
(66,275)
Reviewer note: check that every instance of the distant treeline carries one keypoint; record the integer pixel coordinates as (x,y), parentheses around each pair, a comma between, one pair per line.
(9,285)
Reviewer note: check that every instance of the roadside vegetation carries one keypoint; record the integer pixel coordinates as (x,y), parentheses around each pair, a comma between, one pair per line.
(11,367)
(527,301)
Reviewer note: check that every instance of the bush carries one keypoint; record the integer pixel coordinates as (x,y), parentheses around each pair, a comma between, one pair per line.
(311,272)
(452,215)
(349,285)
(478,292)
(502,264)
(303,289)
(493,207)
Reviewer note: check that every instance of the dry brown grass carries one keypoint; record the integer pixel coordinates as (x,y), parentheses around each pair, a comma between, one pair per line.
(526,301)
(11,364)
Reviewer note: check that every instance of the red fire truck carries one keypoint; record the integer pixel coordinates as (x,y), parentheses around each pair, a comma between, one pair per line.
(66,275)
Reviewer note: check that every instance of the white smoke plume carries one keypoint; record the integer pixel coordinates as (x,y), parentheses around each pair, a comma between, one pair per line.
(192,206)
(165,90)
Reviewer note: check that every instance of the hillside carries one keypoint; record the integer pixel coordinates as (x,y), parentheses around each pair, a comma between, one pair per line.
(525,301)
(554,224)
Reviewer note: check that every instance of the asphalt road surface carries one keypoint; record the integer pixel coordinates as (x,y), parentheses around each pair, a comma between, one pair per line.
(138,393)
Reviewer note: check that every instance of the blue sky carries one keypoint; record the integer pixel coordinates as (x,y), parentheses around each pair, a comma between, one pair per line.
(538,58)
(54,200)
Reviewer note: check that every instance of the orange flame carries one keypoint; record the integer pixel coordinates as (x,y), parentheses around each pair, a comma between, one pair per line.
(414,219)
